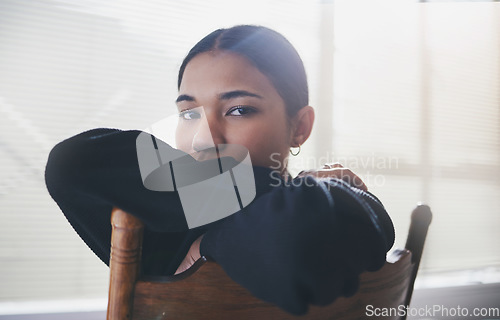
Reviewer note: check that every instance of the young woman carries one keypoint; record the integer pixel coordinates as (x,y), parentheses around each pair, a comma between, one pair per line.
(296,243)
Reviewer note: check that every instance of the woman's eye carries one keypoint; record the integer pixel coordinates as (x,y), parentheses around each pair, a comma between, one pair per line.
(189,115)
(240,111)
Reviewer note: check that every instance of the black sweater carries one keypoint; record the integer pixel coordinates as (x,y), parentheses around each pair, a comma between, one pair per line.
(299,243)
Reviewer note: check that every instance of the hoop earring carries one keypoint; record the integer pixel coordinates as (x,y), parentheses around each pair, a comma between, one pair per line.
(294,154)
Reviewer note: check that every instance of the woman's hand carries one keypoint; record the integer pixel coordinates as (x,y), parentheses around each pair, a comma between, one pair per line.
(338,171)
(191,257)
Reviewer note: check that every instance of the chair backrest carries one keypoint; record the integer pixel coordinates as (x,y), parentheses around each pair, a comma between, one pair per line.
(205,291)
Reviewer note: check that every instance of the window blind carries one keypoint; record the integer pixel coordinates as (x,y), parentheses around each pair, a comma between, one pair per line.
(414,100)
(69,66)
(417,97)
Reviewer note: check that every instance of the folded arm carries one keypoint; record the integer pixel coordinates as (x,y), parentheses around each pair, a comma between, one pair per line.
(303,244)
(296,244)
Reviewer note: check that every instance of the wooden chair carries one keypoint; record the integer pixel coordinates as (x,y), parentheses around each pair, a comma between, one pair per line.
(205,291)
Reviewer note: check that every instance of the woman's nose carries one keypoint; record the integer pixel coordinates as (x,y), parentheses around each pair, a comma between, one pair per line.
(208,133)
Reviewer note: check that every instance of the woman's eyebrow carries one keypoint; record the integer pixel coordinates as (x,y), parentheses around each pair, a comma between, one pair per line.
(223,96)
(237,94)
(184,97)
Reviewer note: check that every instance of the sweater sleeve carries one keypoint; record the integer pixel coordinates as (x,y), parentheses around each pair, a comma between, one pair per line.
(303,243)
(93,171)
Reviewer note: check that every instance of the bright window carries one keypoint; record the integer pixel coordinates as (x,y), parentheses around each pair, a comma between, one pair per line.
(407,94)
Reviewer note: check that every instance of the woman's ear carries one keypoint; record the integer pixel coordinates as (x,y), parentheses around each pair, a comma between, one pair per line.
(302,124)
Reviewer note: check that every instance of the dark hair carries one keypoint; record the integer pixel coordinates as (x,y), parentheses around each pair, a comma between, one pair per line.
(269,52)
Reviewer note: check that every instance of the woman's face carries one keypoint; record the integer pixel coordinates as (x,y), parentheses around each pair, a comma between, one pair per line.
(223,99)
